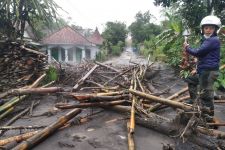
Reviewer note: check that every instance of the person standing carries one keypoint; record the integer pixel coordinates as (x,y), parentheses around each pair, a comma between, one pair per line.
(208,55)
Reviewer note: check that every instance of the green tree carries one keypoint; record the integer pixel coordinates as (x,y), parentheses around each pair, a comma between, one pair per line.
(192,11)
(115,32)
(14,14)
(142,29)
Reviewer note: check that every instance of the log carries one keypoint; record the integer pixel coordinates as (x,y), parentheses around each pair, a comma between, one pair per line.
(38,81)
(219,101)
(84,78)
(107,98)
(133,98)
(18,116)
(17,138)
(130,138)
(93,104)
(17,99)
(161,100)
(32,51)
(156,106)
(35,91)
(31,142)
(211,132)
(20,127)
(110,95)
(169,128)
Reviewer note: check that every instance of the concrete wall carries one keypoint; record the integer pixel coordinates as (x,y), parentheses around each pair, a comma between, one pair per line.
(68,48)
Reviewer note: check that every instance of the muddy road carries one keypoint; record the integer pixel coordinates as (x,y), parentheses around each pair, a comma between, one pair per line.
(106,130)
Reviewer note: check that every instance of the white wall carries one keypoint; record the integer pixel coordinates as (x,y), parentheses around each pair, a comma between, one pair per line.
(94,50)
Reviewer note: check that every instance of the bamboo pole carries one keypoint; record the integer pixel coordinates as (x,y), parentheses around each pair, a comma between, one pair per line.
(84,78)
(33,51)
(31,142)
(36,90)
(17,99)
(17,138)
(133,97)
(92,104)
(38,81)
(219,101)
(106,98)
(6,112)
(156,106)
(86,96)
(20,127)
(130,138)
(18,116)
(161,100)
(11,103)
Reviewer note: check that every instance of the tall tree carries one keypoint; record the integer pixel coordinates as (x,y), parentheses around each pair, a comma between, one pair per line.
(115,32)
(142,29)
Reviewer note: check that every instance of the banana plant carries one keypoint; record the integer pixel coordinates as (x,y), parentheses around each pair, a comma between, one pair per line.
(14,15)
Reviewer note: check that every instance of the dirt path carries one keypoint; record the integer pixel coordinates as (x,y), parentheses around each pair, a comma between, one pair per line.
(126,58)
(106,130)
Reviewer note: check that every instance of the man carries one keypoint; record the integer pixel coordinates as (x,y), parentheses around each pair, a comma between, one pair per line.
(208,55)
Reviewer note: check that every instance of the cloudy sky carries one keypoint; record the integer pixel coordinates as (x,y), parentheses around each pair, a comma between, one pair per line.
(92,13)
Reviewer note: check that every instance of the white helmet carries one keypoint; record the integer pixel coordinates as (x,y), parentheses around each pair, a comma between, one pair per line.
(211,20)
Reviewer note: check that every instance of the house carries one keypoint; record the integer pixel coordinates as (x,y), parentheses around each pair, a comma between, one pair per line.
(68,45)
(96,38)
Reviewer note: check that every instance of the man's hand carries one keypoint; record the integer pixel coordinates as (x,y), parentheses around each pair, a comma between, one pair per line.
(185,45)
(193,72)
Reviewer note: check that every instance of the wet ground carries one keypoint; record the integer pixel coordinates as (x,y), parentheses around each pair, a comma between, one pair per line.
(106,130)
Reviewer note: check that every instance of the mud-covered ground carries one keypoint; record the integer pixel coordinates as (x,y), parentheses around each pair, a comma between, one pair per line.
(106,130)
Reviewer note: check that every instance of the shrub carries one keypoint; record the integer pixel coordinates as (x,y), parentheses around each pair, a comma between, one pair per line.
(101,55)
(116,50)
(51,74)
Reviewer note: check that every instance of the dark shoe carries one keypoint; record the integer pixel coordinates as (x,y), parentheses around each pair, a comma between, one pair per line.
(208,118)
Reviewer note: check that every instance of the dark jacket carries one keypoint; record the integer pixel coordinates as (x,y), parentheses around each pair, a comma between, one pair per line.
(208,54)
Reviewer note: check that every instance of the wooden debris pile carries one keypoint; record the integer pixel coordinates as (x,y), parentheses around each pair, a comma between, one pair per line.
(20,65)
(121,89)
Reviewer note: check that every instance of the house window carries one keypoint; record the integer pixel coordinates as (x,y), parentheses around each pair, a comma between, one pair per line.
(87,53)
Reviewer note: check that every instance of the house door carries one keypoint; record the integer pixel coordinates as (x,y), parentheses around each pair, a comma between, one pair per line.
(55,53)
(87,54)
(78,55)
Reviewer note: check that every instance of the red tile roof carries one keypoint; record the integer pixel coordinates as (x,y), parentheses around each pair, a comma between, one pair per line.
(96,38)
(66,35)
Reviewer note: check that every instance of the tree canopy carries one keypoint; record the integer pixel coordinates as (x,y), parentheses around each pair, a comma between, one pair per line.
(14,14)
(192,11)
(142,29)
(115,32)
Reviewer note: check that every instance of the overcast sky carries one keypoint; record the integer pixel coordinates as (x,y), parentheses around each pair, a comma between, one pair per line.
(95,13)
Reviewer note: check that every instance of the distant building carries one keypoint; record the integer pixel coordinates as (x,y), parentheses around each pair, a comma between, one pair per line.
(68,45)
(96,38)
